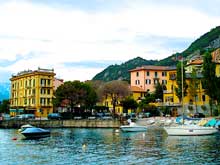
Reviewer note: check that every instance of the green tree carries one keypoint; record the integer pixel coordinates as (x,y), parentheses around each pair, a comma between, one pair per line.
(159,92)
(4,106)
(129,103)
(193,86)
(209,81)
(75,93)
(179,81)
(117,90)
(149,98)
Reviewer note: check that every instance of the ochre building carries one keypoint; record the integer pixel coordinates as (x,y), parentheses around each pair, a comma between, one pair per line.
(32,92)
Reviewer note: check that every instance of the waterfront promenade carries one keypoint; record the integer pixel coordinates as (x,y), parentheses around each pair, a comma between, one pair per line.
(83,123)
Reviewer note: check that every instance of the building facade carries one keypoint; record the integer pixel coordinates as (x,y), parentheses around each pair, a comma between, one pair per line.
(32,92)
(147,77)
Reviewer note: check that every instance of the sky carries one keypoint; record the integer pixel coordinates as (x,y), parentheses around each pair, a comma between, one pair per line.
(80,38)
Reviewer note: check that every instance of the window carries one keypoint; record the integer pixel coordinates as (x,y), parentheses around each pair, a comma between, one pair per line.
(33,101)
(164,74)
(42,100)
(155,81)
(137,82)
(42,82)
(148,81)
(148,73)
(42,91)
(48,82)
(164,82)
(29,83)
(33,82)
(203,97)
(48,101)
(155,74)
(137,74)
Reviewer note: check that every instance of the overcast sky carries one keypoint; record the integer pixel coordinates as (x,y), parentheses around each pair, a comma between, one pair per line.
(80,38)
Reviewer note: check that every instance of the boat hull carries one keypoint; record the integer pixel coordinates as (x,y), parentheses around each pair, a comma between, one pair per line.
(133,129)
(190,130)
(35,133)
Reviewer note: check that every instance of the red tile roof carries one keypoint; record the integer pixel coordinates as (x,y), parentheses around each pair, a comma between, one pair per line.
(153,67)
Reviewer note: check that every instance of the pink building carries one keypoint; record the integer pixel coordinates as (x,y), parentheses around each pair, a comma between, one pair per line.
(147,77)
(57,82)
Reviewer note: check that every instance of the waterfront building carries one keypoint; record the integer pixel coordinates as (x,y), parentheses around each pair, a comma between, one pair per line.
(107,102)
(138,93)
(216,60)
(199,101)
(57,82)
(147,77)
(32,92)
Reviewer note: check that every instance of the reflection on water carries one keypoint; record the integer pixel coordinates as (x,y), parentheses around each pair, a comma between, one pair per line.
(107,146)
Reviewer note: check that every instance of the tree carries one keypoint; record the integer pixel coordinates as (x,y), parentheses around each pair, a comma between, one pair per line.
(179,81)
(159,92)
(149,98)
(193,86)
(209,82)
(116,90)
(75,93)
(129,103)
(4,106)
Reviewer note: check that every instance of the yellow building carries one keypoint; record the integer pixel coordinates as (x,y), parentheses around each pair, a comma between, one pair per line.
(216,60)
(32,92)
(138,93)
(200,100)
(108,103)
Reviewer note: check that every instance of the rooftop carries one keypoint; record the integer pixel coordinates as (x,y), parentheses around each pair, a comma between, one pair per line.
(153,67)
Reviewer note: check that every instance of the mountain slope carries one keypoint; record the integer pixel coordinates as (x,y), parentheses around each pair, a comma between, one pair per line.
(210,39)
(4,91)
(121,72)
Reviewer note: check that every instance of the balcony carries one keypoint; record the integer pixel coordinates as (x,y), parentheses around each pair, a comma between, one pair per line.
(172,77)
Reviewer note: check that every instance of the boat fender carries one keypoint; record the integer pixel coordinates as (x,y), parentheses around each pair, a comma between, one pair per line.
(14,138)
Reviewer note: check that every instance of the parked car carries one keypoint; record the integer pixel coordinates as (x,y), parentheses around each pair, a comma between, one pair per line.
(198,115)
(24,117)
(6,116)
(54,116)
(28,116)
(107,116)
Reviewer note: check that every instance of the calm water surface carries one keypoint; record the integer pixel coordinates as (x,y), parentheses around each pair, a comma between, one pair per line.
(105,146)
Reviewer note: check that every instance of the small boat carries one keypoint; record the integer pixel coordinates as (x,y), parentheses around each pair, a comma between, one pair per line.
(23,127)
(35,133)
(133,127)
(190,130)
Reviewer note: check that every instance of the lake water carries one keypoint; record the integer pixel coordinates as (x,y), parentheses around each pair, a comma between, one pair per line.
(105,146)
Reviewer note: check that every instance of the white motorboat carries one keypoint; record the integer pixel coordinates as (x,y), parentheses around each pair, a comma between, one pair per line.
(23,127)
(133,127)
(190,130)
(35,133)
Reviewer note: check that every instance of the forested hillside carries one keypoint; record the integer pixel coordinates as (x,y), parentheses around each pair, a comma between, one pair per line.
(121,72)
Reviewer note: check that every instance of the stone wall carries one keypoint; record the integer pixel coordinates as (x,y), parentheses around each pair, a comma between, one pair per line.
(62,123)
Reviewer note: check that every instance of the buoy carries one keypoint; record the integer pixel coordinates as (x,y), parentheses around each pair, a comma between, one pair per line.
(14,138)
(84,146)
(116,131)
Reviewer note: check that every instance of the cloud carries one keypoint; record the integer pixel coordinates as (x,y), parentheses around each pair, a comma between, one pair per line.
(83,38)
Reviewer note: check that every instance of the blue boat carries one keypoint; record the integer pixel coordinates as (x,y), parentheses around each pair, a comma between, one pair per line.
(35,133)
